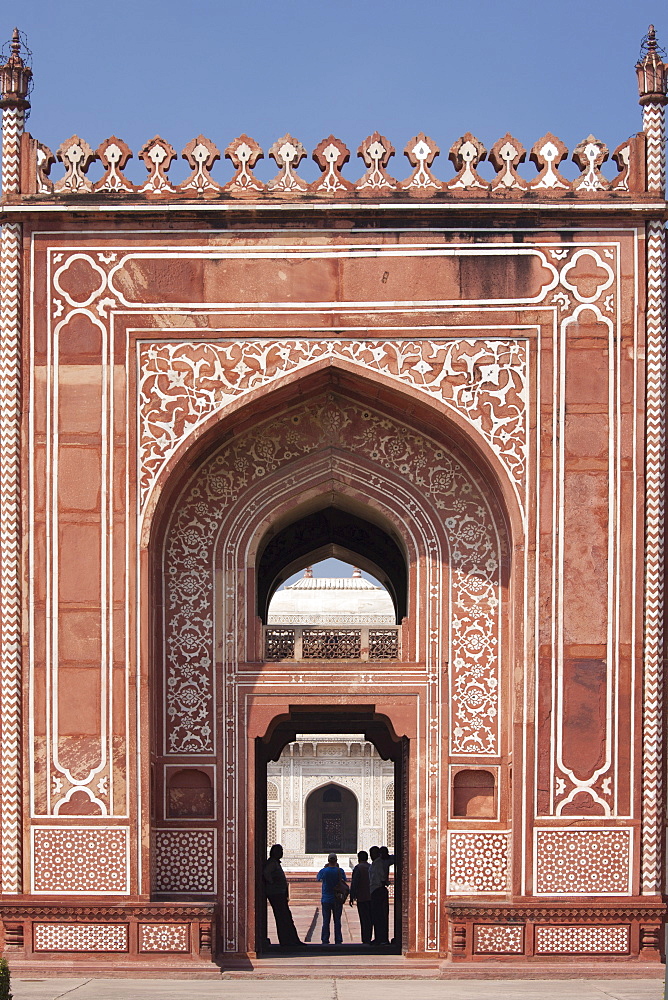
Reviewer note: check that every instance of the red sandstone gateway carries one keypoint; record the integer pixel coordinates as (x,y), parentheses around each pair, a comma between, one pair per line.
(457,383)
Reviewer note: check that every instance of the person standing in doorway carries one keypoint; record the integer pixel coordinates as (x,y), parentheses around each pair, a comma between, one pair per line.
(360,893)
(379,876)
(277,892)
(330,876)
(387,859)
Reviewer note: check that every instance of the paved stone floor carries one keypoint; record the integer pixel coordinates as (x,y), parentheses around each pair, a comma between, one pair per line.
(308,921)
(335,989)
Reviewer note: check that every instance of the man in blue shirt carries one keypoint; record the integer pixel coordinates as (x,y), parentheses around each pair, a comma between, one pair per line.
(330,876)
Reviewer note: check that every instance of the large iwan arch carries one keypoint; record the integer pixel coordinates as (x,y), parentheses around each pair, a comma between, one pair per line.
(450,687)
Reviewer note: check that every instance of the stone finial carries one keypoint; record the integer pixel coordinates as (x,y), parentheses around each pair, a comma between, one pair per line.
(201,154)
(331,155)
(376,152)
(77,156)
(288,154)
(589,155)
(158,156)
(465,155)
(15,76)
(114,154)
(244,153)
(547,154)
(357,573)
(505,156)
(308,573)
(651,70)
(421,152)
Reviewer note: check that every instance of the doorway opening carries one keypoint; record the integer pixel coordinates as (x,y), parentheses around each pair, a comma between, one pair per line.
(331,817)
(330,781)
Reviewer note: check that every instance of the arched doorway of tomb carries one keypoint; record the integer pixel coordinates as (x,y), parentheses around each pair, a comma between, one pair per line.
(331,820)
(415,505)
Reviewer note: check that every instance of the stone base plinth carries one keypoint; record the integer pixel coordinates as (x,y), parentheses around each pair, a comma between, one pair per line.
(129,937)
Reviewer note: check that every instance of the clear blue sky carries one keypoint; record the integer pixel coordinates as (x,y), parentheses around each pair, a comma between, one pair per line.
(135,68)
(345,67)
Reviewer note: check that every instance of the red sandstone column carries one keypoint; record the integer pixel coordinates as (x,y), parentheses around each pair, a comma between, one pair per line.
(14,82)
(652,77)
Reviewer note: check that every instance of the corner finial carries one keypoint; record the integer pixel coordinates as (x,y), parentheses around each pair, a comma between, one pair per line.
(651,70)
(308,573)
(15,73)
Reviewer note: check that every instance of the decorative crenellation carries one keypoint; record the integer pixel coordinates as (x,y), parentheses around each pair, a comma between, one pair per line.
(331,154)
(653,652)
(592,939)
(10,568)
(583,862)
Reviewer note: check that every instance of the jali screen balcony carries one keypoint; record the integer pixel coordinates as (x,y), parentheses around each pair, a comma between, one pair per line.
(309,643)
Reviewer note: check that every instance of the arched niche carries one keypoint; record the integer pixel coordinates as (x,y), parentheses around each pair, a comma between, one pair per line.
(474,794)
(331,813)
(189,794)
(331,531)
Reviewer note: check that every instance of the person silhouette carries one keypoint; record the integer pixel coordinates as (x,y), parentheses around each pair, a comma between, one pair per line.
(360,893)
(277,892)
(379,877)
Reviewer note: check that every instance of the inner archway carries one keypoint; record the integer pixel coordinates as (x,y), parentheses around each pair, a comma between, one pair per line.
(338,532)
(333,814)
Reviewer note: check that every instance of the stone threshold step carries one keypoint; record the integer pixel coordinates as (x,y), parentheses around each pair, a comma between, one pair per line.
(604,968)
(88,970)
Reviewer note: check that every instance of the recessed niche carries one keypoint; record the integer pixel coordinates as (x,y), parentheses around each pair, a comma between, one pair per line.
(473,794)
(189,794)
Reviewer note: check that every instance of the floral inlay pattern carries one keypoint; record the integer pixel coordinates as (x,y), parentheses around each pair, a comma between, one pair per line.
(232,473)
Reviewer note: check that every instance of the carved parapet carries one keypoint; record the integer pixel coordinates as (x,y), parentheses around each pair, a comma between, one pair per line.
(376,151)
(421,152)
(158,156)
(547,154)
(201,154)
(244,152)
(505,156)
(36,162)
(331,155)
(465,154)
(288,154)
(114,154)
(505,159)
(589,155)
